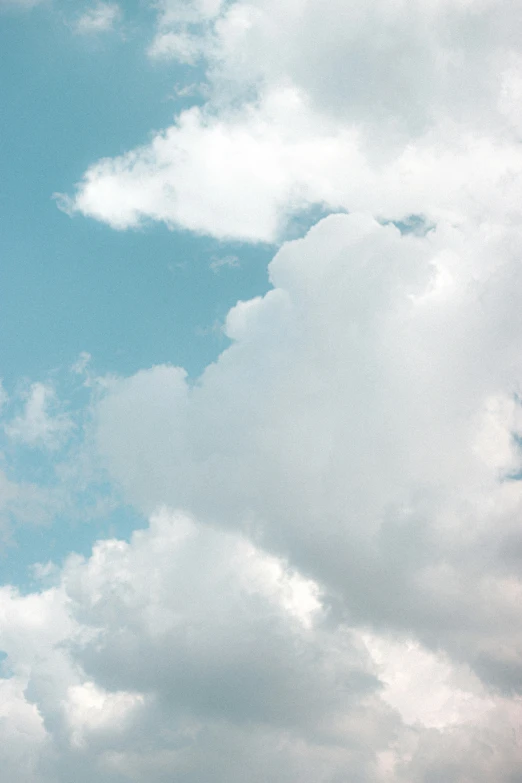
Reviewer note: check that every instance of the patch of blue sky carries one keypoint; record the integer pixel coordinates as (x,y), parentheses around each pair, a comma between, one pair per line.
(413,224)
(131,299)
(302,220)
(5,671)
(54,542)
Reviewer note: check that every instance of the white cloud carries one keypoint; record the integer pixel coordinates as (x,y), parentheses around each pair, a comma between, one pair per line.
(423,120)
(393,63)
(181,654)
(363,423)
(22,732)
(98,19)
(213,643)
(90,710)
(39,424)
(240,175)
(425,688)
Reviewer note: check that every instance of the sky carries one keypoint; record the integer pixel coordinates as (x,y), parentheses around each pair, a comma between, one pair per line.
(261,385)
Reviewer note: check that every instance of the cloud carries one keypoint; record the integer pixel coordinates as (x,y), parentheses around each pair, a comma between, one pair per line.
(220,262)
(356,62)
(153,654)
(182,29)
(241,175)
(423,121)
(340,595)
(189,651)
(38,425)
(365,424)
(98,19)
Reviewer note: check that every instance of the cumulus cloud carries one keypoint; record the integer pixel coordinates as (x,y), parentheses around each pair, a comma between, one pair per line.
(364,423)
(346,605)
(150,655)
(189,651)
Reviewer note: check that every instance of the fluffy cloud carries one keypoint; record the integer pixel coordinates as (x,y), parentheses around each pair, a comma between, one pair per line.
(396,108)
(347,605)
(402,64)
(149,656)
(364,423)
(241,173)
(190,652)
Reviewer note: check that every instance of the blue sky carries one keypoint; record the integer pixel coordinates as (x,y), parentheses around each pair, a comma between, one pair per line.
(260,391)
(130,299)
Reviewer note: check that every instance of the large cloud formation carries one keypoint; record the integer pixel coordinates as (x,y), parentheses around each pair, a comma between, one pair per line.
(364,423)
(188,653)
(338,597)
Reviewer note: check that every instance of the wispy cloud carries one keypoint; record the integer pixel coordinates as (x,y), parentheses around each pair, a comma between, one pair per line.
(224,262)
(41,423)
(101,18)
